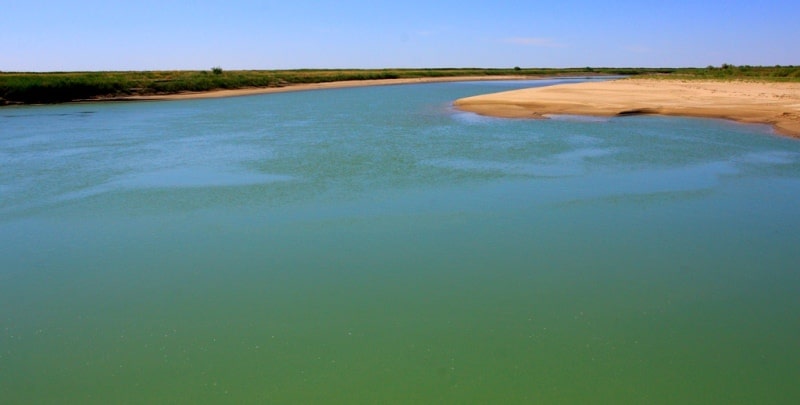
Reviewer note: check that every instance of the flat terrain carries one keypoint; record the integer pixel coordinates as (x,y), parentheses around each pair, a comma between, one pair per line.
(59,87)
(774,103)
(314,86)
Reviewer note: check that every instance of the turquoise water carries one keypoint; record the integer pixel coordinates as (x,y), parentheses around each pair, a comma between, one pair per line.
(373,245)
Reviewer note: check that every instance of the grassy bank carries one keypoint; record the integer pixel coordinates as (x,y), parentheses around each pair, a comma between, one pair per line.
(731,72)
(56,87)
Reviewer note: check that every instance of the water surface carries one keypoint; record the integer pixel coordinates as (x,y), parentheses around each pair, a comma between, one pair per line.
(373,245)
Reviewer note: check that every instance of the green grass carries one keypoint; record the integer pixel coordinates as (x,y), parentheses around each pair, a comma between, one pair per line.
(731,72)
(56,87)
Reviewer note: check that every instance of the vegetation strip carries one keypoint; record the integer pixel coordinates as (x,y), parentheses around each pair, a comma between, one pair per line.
(58,87)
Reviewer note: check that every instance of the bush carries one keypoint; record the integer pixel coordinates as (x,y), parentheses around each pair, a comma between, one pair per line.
(216,70)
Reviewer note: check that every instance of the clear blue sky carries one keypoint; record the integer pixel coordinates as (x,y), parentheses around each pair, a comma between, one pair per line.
(242,34)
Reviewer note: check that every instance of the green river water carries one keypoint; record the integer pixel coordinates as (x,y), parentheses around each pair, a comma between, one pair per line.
(374,245)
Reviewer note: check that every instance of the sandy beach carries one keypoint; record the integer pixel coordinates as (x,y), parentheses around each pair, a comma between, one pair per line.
(777,104)
(316,86)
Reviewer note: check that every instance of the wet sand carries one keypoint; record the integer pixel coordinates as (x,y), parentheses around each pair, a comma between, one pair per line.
(777,104)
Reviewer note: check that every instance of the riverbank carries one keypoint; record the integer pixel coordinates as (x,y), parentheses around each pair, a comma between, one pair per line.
(60,87)
(313,86)
(774,103)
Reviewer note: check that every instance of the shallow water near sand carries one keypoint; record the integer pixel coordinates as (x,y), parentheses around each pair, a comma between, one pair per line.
(373,245)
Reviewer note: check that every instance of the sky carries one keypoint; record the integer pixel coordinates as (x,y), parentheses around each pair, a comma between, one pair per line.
(83,35)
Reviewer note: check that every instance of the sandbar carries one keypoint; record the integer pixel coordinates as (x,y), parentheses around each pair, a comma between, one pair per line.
(774,103)
(315,86)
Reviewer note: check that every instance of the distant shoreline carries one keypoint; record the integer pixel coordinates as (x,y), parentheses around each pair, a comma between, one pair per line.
(20,88)
(773,103)
(31,88)
(312,86)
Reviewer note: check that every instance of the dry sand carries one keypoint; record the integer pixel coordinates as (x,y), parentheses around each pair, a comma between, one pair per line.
(316,86)
(772,103)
